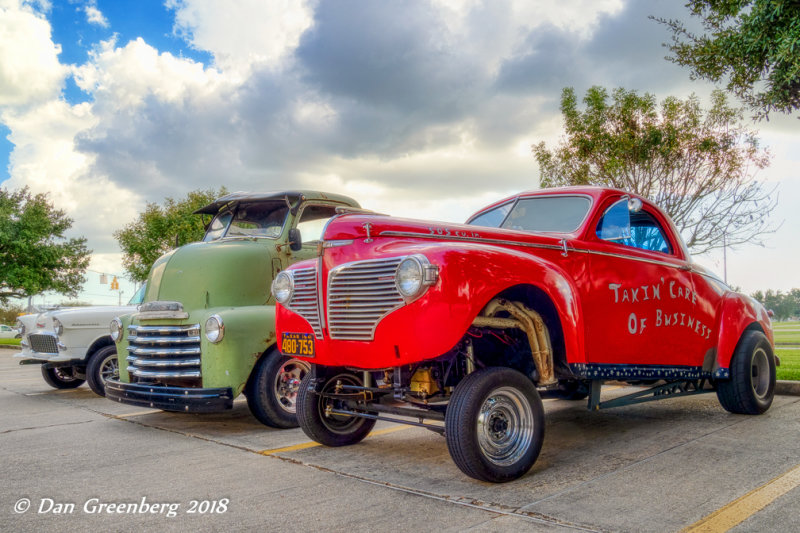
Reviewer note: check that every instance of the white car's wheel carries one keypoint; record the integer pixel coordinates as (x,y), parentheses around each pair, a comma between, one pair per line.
(62,377)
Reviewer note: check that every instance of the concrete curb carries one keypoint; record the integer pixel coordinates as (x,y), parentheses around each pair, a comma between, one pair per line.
(790,388)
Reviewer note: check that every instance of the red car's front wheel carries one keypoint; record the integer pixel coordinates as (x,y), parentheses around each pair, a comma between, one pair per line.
(495,424)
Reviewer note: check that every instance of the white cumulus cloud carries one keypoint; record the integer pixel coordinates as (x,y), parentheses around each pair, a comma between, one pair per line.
(29,68)
(244,33)
(94,15)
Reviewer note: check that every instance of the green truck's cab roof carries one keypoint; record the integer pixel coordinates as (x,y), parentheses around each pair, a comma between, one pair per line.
(293,196)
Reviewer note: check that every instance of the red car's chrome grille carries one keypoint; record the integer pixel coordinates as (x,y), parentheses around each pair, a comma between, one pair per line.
(305,300)
(360,294)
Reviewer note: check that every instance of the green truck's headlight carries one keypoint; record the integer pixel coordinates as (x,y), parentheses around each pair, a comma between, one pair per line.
(116,329)
(283,286)
(215,329)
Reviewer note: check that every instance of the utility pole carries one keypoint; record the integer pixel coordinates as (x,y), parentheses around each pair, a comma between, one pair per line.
(724,259)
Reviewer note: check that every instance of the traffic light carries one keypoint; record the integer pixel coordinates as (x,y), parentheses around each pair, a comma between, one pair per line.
(114,284)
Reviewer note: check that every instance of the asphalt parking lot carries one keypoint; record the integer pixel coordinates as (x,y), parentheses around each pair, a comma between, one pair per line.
(81,462)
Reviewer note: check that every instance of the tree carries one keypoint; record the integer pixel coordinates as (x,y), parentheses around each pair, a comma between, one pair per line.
(784,305)
(753,44)
(35,256)
(699,169)
(160,228)
(9,314)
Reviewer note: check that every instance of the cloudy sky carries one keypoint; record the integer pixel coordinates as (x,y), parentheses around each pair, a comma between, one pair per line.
(417,108)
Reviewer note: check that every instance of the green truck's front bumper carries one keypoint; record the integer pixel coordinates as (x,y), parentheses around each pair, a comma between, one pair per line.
(186,400)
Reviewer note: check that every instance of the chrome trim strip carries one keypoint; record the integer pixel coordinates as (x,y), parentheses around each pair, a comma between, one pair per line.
(163,351)
(685,267)
(158,363)
(163,340)
(484,240)
(164,329)
(163,374)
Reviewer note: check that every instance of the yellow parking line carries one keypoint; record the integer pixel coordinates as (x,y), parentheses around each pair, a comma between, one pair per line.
(304,445)
(741,509)
(295,447)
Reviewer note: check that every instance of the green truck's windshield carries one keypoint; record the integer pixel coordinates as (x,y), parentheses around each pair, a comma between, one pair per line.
(138,296)
(249,219)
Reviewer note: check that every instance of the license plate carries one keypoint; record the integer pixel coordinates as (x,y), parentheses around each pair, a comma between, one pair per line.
(301,344)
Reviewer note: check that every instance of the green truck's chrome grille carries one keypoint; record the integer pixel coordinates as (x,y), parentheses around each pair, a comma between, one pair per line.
(164,352)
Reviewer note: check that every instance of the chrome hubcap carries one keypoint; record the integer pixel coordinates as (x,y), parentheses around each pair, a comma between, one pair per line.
(64,375)
(759,373)
(110,368)
(505,426)
(287,383)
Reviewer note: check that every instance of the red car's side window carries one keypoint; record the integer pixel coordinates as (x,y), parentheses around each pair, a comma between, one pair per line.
(645,233)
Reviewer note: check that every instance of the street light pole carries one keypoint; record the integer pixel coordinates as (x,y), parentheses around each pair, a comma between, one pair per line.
(724,259)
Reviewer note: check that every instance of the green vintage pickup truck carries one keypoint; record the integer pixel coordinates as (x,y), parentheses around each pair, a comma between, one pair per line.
(205,332)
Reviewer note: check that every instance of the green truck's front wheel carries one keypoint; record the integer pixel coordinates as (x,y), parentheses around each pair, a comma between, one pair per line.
(272,389)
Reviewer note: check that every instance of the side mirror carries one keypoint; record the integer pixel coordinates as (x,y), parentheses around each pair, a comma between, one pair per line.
(616,222)
(295,240)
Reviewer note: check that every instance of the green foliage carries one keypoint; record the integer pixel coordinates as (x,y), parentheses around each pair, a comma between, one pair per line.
(9,314)
(160,228)
(696,165)
(784,305)
(752,44)
(10,342)
(35,256)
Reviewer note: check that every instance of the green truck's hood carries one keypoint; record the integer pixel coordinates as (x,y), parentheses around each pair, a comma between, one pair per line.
(213,274)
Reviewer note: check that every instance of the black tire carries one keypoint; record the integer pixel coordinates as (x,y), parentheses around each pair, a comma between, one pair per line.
(495,425)
(751,387)
(272,390)
(102,365)
(572,390)
(17,336)
(61,377)
(330,430)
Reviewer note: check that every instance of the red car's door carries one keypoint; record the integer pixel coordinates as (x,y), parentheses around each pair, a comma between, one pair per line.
(638,298)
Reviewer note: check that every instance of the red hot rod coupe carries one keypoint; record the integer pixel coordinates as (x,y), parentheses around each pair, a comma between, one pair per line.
(554,290)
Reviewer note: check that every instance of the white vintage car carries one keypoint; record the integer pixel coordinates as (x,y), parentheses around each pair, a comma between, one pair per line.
(7,332)
(73,345)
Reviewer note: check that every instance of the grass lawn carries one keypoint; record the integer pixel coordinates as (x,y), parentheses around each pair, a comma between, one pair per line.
(787,337)
(790,364)
(11,342)
(785,325)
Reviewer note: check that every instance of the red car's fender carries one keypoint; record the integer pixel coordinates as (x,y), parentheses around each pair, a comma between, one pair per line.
(737,314)
(491,271)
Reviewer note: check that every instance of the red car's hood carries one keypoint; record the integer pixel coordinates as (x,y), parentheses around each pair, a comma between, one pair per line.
(373,226)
